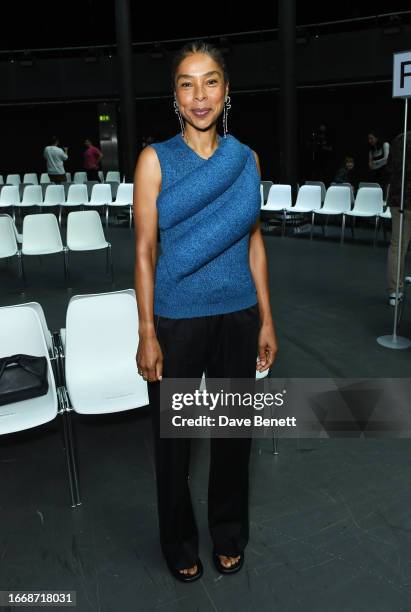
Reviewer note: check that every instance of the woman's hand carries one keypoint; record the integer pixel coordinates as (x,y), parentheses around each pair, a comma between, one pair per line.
(267,346)
(149,358)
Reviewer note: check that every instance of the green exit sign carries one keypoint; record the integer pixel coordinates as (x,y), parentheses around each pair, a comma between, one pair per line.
(104,118)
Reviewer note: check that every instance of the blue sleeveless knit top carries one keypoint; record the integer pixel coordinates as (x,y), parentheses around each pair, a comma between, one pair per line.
(206,209)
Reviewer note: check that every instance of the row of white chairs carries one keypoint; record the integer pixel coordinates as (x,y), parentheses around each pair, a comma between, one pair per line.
(77,195)
(91,365)
(368,202)
(44,186)
(267,184)
(41,236)
(79,177)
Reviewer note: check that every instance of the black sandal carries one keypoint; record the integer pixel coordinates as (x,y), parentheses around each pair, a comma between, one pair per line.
(233,569)
(186,577)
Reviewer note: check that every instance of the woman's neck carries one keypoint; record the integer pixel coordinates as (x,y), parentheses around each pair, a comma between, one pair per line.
(203,143)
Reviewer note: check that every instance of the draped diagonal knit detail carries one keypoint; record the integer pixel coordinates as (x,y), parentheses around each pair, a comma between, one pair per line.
(206,209)
(203,184)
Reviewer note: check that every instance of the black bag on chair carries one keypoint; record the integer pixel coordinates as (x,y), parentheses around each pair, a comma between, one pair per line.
(22,377)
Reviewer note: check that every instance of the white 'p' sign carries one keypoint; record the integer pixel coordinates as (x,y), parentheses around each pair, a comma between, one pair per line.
(401,82)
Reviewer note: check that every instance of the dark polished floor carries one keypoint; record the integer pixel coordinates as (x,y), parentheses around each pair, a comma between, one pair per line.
(330,519)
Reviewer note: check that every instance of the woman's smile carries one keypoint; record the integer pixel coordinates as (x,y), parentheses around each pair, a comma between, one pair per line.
(201,113)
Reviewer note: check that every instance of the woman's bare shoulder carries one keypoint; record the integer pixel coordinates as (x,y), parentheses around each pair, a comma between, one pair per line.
(148,167)
(148,155)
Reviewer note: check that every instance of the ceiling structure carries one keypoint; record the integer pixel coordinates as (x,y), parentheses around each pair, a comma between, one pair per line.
(89,23)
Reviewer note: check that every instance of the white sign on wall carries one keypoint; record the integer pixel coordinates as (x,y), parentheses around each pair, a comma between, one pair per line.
(401,83)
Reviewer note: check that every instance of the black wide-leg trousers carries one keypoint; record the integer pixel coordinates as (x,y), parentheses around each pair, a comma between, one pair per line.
(223,346)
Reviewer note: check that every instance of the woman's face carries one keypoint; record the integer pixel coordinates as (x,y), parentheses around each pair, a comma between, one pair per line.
(372,139)
(199,85)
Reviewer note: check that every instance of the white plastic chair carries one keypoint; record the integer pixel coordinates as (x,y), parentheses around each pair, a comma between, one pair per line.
(68,177)
(48,336)
(322,185)
(308,199)
(41,236)
(44,178)
(337,202)
(1,179)
(345,185)
(101,340)
(100,196)
(80,177)
(22,331)
(32,196)
(13,179)
(124,199)
(368,203)
(85,233)
(279,199)
(113,176)
(30,178)
(8,240)
(54,196)
(100,175)
(76,196)
(10,198)
(261,196)
(19,237)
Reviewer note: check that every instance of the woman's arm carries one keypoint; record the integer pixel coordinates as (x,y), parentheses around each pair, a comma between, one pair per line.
(147,184)
(379,163)
(267,342)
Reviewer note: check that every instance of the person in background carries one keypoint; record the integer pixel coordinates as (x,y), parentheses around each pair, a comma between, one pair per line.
(377,158)
(346,173)
(55,157)
(92,158)
(394,172)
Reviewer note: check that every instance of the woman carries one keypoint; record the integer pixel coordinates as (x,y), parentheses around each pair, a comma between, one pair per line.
(205,306)
(377,158)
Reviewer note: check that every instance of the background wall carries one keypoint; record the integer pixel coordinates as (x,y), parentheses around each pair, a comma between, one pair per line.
(59,95)
(26,130)
(330,58)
